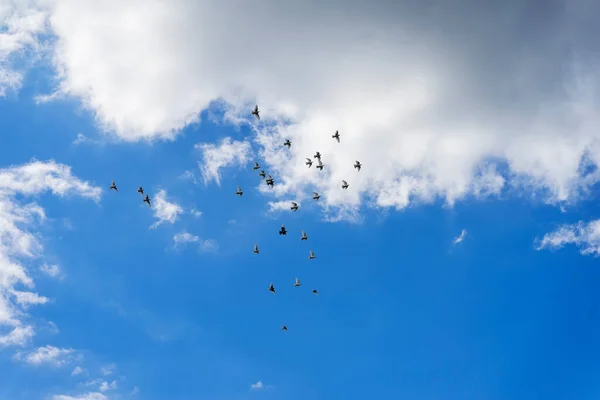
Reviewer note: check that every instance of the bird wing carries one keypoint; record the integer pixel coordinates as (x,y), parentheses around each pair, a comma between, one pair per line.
(239,189)
(294,204)
(344,183)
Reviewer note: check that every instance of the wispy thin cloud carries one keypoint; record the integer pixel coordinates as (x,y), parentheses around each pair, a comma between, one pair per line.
(226,154)
(584,235)
(460,237)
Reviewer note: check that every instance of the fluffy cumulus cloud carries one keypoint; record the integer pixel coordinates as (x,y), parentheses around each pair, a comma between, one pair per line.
(164,210)
(226,154)
(48,355)
(19,243)
(584,235)
(436,99)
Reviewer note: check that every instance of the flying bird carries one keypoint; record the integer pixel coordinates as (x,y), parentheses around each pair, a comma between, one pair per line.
(315,292)
(239,191)
(320,165)
(297,284)
(147,200)
(317,155)
(270,181)
(336,136)
(140,190)
(282,231)
(357,165)
(256,251)
(256,112)
(113,186)
(284,328)
(256,166)
(311,255)
(304,236)
(262,174)
(316,196)
(287,143)
(309,162)
(272,288)
(344,185)
(294,206)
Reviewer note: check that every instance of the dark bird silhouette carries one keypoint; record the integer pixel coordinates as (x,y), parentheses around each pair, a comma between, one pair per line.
(239,191)
(256,112)
(147,200)
(294,206)
(304,236)
(317,155)
(311,255)
(357,165)
(315,292)
(282,231)
(336,136)
(270,181)
(344,185)
(316,196)
(272,288)
(284,328)
(297,284)
(255,251)
(319,164)
(309,162)
(113,186)
(287,143)
(256,166)
(262,174)
(141,190)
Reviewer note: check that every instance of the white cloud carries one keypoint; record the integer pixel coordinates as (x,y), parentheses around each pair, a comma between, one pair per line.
(460,237)
(228,153)
(196,213)
(586,236)
(22,23)
(81,138)
(18,239)
(209,246)
(185,237)
(108,369)
(433,101)
(164,210)
(48,355)
(86,396)
(105,386)
(51,270)
(52,328)
(78,370)
(19,336)
(257,385)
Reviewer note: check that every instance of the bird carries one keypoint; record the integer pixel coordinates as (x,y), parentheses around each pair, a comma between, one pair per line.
(270,181)
(256,251)
(141,190)
(297,284)
(262,174)
(284,328)
(357,165)
(320,165)
(315,292)
(256,112)
(147,200)
(113,186)
(256,166)
(287,143)
(336,136)
(309,162)
(311,255)
(294,206)
(345,185)
(316,196)
(304,236)
(317,155)
(272,288)
(282,231)
(239,191)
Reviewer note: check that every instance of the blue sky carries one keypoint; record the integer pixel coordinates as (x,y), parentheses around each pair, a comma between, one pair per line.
(102,297)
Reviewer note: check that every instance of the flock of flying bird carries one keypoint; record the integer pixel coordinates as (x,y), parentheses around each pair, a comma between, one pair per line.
(270,182)
(294,206)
